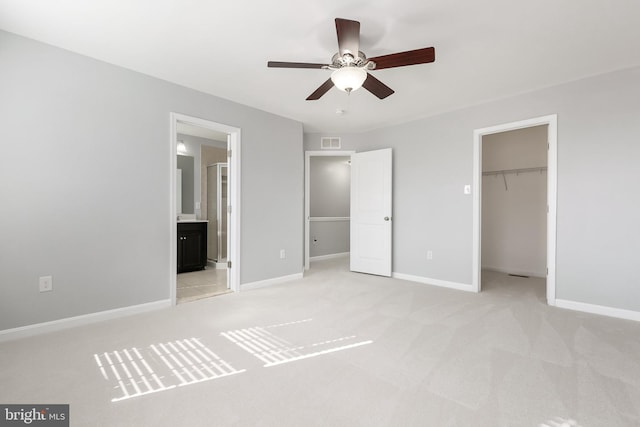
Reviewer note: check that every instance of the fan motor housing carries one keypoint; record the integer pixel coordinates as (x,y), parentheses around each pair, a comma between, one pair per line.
(347,60)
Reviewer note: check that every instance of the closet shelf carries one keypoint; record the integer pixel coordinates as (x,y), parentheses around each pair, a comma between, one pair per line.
(516,171)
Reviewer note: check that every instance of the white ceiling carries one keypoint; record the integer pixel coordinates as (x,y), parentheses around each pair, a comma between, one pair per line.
(485,50)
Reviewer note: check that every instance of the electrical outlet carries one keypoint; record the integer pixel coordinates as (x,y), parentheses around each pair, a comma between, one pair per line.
(46,283)
(429,255)
(283,254)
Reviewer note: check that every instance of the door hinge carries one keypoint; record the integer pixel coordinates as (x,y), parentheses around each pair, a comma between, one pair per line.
(228,264)
(547,271)
(229,153)
(229,209)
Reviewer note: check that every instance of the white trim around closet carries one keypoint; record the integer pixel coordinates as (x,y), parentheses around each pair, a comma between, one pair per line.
(552,180)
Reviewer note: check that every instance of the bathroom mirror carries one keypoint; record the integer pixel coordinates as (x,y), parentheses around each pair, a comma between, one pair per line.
(186,165)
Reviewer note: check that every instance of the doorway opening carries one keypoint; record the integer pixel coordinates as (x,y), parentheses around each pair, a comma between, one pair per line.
(205,213)
(327,205)
(515,181)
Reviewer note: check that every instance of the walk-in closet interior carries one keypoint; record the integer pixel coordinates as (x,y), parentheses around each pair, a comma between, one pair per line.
(514,203)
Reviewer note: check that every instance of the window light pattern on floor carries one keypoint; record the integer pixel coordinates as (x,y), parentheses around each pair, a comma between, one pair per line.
(164,366)
(560,422)
(274,350)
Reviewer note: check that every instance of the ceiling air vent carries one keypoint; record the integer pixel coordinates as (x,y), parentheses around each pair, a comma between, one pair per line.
(330,143)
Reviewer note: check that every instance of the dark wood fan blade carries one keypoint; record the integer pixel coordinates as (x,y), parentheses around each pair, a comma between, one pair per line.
(376,87)
(278,64)
(348,36)
(401,59)
(320,91)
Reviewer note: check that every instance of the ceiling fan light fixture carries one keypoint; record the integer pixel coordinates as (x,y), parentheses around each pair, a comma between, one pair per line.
(349,65)
(348,79)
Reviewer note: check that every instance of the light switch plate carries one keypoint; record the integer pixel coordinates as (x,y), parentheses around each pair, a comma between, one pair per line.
(467,189)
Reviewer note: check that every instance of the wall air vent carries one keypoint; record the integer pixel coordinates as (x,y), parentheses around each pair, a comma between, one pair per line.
(330,143)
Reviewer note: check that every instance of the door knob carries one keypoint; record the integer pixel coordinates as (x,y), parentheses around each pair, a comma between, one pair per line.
(386,218)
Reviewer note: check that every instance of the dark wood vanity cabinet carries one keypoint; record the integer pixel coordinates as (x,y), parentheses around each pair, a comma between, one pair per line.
(192,246)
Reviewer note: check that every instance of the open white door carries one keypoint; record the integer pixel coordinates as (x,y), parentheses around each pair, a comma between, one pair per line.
(371,212)
(228,208)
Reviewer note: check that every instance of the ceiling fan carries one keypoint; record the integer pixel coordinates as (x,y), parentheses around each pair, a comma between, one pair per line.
(350,66)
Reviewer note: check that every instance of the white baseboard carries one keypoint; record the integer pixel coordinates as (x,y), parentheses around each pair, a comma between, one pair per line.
(69,322)
(216,265)
(435,282)
(330,256)
(270,282)
(517,272)
(620,313)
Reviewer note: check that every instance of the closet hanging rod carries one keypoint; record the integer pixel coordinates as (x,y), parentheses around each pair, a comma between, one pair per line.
(521,170)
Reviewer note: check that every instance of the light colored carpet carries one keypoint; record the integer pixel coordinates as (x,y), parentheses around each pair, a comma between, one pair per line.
(340,349)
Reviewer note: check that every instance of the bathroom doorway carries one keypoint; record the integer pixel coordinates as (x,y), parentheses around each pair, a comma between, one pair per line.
(205,195)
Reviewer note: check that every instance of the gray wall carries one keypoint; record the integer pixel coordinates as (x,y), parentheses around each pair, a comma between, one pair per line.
(329,186)
(598,238)
(328,238)
(329,196)
(85,193)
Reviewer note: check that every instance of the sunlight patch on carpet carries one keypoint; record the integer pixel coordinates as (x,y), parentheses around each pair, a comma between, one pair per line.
(159,367)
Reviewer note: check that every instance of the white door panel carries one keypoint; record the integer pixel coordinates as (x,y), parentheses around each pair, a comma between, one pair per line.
(371,208)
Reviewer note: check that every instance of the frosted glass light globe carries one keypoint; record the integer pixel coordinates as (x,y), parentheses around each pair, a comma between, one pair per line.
(348,78)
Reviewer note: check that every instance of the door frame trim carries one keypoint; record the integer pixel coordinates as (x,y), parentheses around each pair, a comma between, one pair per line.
(307,187)
(234,197)
(552,184)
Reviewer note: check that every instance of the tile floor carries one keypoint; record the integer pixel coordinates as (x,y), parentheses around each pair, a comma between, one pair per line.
(205,283)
